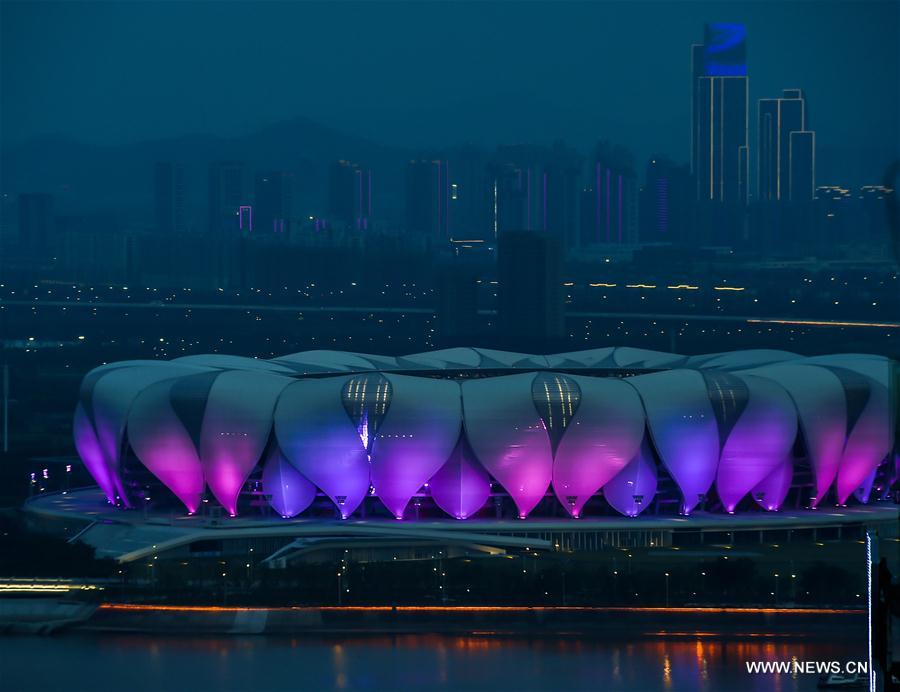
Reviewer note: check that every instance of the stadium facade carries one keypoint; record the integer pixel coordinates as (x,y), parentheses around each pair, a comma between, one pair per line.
(473,432)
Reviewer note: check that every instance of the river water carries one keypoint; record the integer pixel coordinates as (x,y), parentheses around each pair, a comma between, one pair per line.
(134,663)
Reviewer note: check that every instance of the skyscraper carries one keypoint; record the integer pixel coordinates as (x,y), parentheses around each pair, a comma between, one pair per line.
(536,189)
(227,194)
(609,203)
(802,155)
(779,120)
(471,193)
(719,99)
(427,198)
(666,202)
(529,267)
(350,195)
(168,196)
(272,202)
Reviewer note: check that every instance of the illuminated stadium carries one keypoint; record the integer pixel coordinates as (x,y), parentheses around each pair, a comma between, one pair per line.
(483,435)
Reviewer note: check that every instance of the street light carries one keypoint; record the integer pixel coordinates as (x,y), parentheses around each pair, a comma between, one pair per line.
(667,589)
(776,588)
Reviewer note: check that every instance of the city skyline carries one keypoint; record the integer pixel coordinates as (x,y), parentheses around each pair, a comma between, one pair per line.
(573,95)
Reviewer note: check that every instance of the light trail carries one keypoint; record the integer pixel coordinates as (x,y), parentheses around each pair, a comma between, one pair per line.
(482,609)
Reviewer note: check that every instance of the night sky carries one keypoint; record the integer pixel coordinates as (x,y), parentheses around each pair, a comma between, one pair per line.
(434,74)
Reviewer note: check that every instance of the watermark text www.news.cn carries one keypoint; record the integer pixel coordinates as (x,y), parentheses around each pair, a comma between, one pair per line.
(795,667)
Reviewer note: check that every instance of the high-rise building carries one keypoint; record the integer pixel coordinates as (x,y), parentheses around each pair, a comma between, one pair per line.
(168,196)
(428,198)
(227,194)
(536,189)
(609,202)
(529,268)
(802,155)
(779,120)
(471,193)
(350,195)
(719,100)
(666,203)
(36,221)
(272,202)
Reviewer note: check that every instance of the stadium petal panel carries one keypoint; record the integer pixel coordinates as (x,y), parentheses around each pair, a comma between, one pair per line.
(468,432)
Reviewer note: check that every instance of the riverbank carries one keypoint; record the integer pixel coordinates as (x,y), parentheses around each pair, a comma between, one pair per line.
(48,615)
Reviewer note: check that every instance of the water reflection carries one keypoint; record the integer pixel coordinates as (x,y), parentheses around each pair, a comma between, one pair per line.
(387,662)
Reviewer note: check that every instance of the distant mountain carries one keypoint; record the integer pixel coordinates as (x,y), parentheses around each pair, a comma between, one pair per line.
(87,177)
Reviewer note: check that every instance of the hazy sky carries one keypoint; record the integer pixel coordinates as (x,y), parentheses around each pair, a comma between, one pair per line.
(436,73)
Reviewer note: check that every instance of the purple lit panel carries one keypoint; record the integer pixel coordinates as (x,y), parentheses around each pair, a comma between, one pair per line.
(759,442)
(112,397)
(163,446)
(417,436)
(291,492)
(683,429)
(822,412)
(868,443)
(870,440)
(91,454)
(461,486)
(864,491)
(770,492)
(321,442)
(509,437)
(236,426)
(619,208)
(602,437)
(633,489)
(608,230)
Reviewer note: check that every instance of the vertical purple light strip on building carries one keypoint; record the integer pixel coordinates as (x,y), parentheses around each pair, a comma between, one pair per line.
(620,208)
(545,200)
(598,205)
(608,229)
